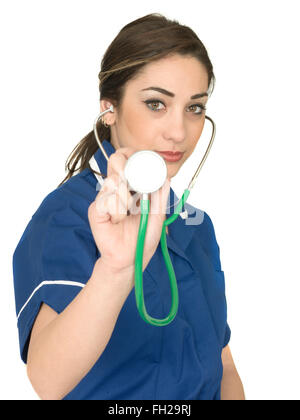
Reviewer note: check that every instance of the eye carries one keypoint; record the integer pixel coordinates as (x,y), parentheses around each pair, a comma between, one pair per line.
(157,101)
(201,106)
(154,101)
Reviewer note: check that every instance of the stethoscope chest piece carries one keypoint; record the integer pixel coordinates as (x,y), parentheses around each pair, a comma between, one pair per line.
(145,171)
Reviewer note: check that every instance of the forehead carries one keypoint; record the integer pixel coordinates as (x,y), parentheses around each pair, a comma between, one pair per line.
(175,73)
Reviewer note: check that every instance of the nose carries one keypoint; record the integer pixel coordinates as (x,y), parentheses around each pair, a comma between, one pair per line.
(174,127)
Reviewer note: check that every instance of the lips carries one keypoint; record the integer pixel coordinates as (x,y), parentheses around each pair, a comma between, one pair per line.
(171,156)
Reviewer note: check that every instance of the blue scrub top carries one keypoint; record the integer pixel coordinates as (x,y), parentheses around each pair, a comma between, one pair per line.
(53,261)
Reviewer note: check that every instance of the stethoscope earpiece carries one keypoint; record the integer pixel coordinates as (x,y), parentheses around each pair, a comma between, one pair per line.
(110,109)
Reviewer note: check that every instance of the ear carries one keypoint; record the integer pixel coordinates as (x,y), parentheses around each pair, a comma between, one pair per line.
(109,117)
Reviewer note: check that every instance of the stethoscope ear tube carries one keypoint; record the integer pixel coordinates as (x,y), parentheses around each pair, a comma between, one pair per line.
(110,109)
(193,180)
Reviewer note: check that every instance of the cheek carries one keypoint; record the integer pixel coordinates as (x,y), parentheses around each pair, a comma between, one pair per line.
(138,129)
(134,123)
(189,150)
(196,136)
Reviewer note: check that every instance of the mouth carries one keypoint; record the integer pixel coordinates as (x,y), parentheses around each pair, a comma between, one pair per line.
(171,156)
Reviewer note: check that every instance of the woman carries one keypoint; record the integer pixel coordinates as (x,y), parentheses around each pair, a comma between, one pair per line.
(80,333)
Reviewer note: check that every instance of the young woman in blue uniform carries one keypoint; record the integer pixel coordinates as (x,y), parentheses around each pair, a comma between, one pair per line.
(79,329)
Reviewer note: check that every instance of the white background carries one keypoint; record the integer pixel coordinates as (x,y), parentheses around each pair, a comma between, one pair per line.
(50,59)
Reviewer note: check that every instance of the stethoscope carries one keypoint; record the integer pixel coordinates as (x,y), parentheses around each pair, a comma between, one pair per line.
(154,168)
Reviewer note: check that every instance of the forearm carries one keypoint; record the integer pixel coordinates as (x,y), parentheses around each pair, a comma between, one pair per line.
(68,347)
(231,386)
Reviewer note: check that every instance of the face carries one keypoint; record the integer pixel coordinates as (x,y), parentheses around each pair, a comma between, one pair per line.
(164,120)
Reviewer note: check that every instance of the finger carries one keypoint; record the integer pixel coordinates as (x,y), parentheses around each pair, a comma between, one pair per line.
(102,202)
(125,197)
(116,165)
(96,216)
(117,161)
(117,210)
(110,207)
(114,198)
(109,185)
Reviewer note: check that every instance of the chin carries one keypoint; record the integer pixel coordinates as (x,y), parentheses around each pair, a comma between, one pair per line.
(171,174)
(173,169)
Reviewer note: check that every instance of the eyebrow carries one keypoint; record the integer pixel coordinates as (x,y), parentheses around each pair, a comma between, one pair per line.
(166,92)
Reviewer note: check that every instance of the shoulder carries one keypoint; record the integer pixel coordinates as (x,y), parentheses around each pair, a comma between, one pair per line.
(72,197)
(62,214)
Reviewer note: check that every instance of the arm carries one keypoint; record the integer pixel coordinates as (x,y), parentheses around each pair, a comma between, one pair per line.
(64,347)
(231,386)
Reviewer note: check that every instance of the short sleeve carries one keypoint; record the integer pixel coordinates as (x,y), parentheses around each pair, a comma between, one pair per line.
(210,244)
(53,260)
(227,335)
(212,249)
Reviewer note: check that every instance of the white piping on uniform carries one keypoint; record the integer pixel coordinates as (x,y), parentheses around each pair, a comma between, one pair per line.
(95,167)
(50,282)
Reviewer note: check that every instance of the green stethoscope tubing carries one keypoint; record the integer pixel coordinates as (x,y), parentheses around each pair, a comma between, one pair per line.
(138,276)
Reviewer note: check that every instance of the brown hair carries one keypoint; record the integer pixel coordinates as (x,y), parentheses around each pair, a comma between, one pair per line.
(140,42)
